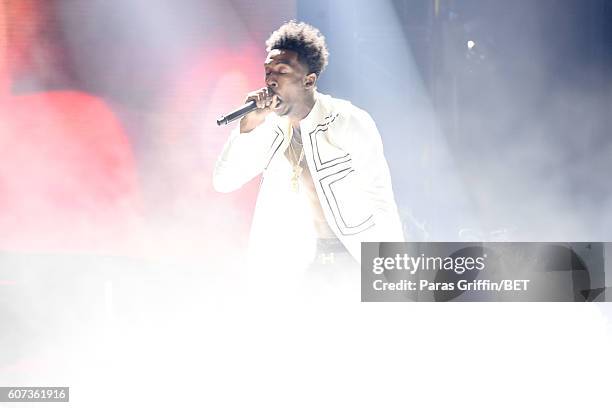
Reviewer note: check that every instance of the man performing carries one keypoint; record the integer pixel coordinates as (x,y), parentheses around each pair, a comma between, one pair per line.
(326,185)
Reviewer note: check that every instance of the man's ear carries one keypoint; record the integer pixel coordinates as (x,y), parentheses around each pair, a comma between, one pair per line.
(310,80)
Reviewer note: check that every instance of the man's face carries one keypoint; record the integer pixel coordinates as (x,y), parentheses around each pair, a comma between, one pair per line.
(286,76)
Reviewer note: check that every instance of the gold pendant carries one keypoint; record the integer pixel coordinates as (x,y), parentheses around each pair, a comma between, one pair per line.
(295,186)
(295,182)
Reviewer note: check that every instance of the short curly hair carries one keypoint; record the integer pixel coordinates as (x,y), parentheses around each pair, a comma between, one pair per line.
(305,40)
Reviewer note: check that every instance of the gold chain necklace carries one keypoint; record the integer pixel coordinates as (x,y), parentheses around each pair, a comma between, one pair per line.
(295,162)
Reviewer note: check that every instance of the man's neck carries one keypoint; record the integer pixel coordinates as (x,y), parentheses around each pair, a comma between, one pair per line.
(302,111)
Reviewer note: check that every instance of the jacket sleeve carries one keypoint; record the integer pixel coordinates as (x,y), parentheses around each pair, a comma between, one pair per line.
(364,143)
(246,155)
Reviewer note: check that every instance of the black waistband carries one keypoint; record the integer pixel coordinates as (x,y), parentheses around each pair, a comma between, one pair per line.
(330,245)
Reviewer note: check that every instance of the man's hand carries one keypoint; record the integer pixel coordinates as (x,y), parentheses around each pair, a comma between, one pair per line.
(265,100)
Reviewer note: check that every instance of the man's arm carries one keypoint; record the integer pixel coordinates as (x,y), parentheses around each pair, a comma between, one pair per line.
(250,146)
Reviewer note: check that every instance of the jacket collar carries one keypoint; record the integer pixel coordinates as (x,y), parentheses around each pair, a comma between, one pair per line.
(316,114)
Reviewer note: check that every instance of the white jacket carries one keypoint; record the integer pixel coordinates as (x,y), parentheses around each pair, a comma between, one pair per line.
(344,153)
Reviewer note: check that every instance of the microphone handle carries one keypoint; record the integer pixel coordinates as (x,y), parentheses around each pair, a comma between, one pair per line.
(248,107)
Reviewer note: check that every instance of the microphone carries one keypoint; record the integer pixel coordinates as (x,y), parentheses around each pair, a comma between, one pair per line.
(248,107)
